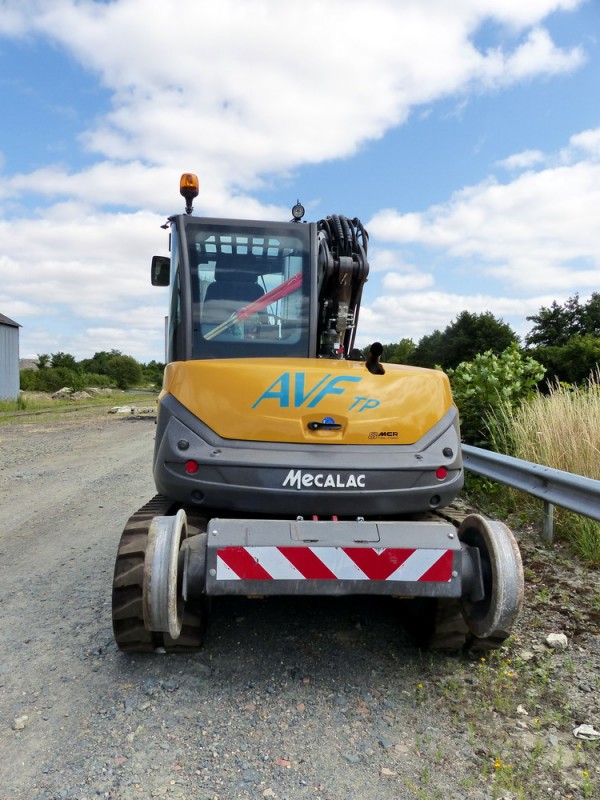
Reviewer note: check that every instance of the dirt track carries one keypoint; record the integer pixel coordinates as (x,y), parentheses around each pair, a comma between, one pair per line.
(289,699)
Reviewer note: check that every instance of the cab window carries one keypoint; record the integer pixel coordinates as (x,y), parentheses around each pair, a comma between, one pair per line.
(250,291)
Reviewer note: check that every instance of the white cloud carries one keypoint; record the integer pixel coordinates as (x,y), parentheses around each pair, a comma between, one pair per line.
(94,269)
(523,160)
(538,230)
(587,142)
(128,339)
(408,281)
(131,184)
(384,260)
(397,274)
(18,310)
(526,61)
(13,18)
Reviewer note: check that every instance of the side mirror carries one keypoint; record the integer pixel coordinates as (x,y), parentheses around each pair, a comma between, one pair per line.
(160,270)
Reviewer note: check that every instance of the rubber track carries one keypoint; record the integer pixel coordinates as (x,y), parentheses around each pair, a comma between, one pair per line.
(449,630)
(127,612)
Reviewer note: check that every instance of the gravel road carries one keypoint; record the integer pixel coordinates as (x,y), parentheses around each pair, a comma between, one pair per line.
(295,698)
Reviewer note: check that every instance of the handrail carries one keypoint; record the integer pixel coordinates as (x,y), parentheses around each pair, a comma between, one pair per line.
(553,486)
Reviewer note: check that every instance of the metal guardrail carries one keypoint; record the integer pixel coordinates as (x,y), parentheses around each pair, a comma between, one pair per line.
(553,486)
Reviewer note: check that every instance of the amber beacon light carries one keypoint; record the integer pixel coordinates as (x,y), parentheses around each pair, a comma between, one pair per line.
(189,188)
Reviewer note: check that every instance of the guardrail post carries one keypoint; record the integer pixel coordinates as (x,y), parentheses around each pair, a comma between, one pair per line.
(548,523)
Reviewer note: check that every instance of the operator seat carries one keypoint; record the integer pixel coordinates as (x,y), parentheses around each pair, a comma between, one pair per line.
(232,289)
(233,284)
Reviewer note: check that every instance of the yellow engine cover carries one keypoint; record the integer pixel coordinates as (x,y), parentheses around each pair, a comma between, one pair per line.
(274,400)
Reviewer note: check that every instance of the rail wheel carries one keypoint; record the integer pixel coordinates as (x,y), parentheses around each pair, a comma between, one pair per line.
(490,620)
(146,559)
(455,624)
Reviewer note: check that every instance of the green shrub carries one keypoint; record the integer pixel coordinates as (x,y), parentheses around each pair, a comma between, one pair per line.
(488,382)
(50,380)
(572,362)
(94,379)
(28,380)
(125,371)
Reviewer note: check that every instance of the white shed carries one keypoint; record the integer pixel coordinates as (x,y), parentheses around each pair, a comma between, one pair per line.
(9,358)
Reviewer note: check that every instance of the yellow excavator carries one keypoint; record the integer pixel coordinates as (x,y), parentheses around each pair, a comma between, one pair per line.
(287,463)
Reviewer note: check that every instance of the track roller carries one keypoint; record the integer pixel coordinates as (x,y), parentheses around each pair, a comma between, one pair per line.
(474,624)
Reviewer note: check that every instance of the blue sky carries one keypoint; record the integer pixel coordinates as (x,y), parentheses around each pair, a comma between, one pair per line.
(465,135)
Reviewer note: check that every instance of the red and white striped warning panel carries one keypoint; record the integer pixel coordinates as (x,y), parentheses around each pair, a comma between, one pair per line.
(333,563)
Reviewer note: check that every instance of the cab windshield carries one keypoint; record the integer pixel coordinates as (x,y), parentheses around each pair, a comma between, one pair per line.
(250,289)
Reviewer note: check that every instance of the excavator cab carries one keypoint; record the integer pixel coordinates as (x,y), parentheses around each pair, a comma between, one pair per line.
(239,289)
(258,290)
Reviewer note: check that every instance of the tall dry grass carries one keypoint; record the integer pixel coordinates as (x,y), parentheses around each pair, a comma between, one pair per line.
(560,429)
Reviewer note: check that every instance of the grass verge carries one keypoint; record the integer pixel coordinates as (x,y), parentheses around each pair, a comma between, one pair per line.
(560,429)
(37,402)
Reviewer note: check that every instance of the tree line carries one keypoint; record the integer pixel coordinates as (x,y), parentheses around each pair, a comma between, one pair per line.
(564,339)
(106,368)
